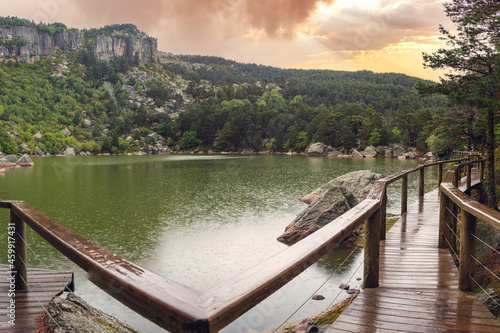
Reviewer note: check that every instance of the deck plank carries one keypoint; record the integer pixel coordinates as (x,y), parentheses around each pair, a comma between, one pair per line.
(418,284)
(43,285)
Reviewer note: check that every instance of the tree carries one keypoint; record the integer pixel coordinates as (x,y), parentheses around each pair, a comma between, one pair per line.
(7,145)
(473,57)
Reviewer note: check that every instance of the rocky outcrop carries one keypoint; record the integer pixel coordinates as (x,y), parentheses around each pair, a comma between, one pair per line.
(74,315)
(106,47)
(37,43)
(29,44)
(329,202)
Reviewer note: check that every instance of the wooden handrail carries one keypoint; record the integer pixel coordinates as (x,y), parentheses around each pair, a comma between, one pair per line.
(179,308)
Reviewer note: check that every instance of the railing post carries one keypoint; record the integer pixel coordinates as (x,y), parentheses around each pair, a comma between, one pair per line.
(481,170)
(456,176)
(443,229)
(467,250)
(404,194)
(20,264)
(440,173)
(383,213)
(372,250)
(421,182)
(469,175)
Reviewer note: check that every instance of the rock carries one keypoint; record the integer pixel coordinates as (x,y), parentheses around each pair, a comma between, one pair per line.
(318,149)
(318,297)
(105,131)
(353,291)
(10,158)
(410,155)
(370,152)
(344,286)
(380,149)
(74,315)
(107,47)
(397,150)
(66,132)
(37,136)
(358,183)
(38,43)
(335,152)
(430,156)
(356,153)
(70,151)
(330,205)
(25,160)
(490,299)
(39,151)
(87,122)
(489,235)
(389,153)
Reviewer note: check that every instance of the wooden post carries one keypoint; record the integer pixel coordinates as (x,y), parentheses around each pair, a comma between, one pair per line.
(383,214)
(443,229)
(469,175)
(421,182)
(456,177)
(404,194)
(372,250)
(467,250)
(440,173)
(20,264)
(481,170)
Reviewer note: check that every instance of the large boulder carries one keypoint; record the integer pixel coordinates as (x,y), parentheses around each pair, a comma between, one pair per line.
(359,183)
(356,153)
(329,202)
(73,314)
(10,158)
(333,203)
(370,152)
(318,149)
(25,160)
(70,151)
(398,150)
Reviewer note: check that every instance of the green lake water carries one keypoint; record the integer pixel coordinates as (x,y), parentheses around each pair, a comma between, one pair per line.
(199,220)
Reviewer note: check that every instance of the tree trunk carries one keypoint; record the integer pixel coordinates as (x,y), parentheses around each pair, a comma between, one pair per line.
(490,160)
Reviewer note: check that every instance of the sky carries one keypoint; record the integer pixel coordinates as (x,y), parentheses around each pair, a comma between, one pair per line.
(376,35)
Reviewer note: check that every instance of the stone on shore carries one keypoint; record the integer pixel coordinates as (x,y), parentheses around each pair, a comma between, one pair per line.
(356,153)
(25,161)
(74,315)
(370,152)
(318,149)
(70,151)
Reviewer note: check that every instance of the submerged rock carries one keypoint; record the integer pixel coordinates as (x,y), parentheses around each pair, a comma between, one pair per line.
(74,315)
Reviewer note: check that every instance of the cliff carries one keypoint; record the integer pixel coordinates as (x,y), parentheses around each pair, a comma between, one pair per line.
(107,47)
(29,44)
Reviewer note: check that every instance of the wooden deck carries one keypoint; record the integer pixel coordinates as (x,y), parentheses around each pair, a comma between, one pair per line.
(43,286)
(418,284)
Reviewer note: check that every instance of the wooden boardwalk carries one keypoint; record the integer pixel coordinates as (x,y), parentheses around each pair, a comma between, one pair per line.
(418,284)
(43,286)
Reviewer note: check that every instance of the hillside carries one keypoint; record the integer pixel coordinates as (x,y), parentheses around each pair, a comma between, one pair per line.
(100,94)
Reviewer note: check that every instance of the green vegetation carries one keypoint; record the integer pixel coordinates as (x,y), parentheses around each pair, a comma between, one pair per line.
(52,28)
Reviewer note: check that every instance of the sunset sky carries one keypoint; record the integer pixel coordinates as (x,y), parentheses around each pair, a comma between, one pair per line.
(378,35)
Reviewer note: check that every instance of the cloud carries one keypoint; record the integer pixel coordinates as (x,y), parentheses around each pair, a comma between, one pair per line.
(354,29)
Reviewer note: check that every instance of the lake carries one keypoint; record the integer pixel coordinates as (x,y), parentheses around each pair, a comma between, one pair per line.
(197,219)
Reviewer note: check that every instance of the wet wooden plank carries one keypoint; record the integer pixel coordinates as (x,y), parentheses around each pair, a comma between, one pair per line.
(418,283)
(43,285)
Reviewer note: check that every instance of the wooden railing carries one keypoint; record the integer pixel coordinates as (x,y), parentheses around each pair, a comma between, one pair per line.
(453,199)
(179,308)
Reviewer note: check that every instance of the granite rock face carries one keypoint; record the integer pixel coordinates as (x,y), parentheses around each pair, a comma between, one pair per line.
(38,43)
(106,48)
